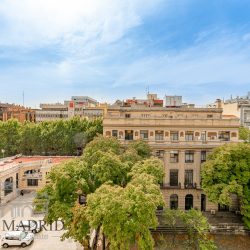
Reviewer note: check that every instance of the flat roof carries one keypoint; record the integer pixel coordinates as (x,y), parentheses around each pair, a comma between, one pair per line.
(15,160)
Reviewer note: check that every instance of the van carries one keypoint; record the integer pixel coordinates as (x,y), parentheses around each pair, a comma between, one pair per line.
(28,226)
(17,238)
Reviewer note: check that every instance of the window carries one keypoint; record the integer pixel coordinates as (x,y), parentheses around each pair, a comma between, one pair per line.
(127,115)
(115,133)
(8,186)
(174,156)
(144,134)
(145,115)
(174,201)
(16,180)
(224,135)
(159,134)
(189,136)
(173,178)
(174,135)
(32,182)
(189,201)
(203,135)
(209,116)
(189,156)
(129,135)
(188,178)
(203,156)
(159,153)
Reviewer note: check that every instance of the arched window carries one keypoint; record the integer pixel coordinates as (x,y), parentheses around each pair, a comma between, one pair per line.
(8,186)
(189,200)
(174,201)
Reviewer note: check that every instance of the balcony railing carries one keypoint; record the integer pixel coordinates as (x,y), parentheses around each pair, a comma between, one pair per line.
(190,185)
(168,186)
(33,176)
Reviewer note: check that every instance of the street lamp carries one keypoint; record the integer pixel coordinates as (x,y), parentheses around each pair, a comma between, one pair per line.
(82,199)
(3,151)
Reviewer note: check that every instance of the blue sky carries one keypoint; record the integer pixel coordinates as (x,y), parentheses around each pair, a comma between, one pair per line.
(115,49)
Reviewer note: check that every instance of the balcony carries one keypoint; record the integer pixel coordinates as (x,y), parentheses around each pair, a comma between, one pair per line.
(168,186)
(190,185)
(32,176)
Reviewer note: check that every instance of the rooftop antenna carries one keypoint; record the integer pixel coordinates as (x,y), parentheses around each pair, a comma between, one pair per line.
(23,98)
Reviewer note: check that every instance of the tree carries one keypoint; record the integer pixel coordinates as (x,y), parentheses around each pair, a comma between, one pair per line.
(126,214)
(196,225)
(227,172)
(62,137)
(10,137)
(122,194)
(244,134)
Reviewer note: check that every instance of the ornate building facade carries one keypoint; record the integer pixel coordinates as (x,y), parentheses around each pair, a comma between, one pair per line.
(182,137)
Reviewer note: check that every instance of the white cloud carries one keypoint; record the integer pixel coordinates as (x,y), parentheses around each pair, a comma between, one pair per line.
(224,61)
(39,22)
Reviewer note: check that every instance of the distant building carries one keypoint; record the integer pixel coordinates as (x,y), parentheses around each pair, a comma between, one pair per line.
(51,112)
(238,107)
(27,173)
(82,106)
(20,113)
(151,101)
(173,101)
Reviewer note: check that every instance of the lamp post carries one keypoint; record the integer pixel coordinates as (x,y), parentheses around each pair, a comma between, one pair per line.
(82,199)
(3,151)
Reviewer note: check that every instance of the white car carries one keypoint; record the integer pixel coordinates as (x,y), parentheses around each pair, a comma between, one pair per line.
(28,226)
(17,238)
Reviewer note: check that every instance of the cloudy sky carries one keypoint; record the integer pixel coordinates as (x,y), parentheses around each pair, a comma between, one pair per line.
(114,49)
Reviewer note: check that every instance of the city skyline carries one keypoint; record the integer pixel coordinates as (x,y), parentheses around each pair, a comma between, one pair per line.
(115,50)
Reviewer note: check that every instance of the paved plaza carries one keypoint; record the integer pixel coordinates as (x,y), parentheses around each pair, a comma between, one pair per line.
(21,209)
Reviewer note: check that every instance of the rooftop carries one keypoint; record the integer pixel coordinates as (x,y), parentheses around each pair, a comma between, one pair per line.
(8,162)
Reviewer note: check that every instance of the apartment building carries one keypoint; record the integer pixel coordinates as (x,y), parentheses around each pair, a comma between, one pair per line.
(27,173)
(182,137)
(151,101)
(82,106)
(20,113)
(51,112)
(238,107)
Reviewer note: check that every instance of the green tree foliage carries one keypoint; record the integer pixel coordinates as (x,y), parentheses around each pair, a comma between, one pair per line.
(10,137)
(227,172)
(196,225)
(244,134)
(121,197)
(63,137)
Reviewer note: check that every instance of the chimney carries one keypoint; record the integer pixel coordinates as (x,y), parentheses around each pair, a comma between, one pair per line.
(218,103)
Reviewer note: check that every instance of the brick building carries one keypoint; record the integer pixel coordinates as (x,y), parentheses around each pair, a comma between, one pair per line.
(12,111)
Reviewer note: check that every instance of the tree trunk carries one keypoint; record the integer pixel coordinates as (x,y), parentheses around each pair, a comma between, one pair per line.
(96,239)
(103,242)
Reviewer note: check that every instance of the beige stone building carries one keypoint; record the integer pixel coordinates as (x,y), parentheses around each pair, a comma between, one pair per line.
(81,106)
(182,137)
(238,107)
(25,173)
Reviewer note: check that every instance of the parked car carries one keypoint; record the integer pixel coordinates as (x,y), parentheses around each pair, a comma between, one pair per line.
(17,238)
(28,226)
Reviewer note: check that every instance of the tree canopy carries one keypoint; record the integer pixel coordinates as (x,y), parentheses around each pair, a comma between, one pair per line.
(244,134)
(122,188)
(196,225)
(227,172)
(62,137)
